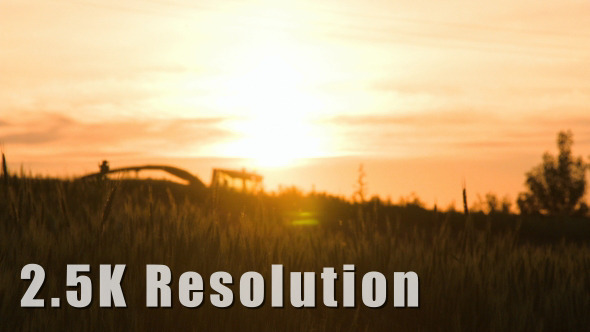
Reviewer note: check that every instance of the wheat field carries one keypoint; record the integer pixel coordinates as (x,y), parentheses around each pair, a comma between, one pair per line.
(478,273)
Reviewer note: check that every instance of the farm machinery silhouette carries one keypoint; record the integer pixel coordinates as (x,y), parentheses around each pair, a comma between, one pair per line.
(222,180)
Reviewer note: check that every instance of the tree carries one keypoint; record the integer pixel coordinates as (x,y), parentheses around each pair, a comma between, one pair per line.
(496,205)
(557,185)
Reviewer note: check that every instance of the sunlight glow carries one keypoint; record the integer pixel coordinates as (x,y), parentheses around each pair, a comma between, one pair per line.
(275,112)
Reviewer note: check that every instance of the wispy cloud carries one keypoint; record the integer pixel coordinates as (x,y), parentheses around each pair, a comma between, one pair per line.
(455,133)
(52,133)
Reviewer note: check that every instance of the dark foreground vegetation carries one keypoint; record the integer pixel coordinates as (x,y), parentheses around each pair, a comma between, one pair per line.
(495,272)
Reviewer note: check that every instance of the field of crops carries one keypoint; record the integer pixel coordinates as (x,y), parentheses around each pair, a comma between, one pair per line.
(496,272)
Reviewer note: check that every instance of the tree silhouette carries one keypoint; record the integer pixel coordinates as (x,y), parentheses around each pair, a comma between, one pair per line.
(557,185)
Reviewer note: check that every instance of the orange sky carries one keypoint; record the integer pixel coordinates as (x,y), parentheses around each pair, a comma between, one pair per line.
(425,94)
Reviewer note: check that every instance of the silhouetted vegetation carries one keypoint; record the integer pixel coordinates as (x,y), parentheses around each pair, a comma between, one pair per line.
(494,271)
(556,186)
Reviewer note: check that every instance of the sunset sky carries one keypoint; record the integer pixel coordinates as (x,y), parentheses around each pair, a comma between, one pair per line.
(426,94)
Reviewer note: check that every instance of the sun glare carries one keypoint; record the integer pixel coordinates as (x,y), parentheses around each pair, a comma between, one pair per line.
(275,112)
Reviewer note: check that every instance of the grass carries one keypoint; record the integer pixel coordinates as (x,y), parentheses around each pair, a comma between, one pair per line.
(487,273)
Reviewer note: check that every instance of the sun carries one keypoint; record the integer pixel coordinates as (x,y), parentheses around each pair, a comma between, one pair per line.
(275,142)
(276,113)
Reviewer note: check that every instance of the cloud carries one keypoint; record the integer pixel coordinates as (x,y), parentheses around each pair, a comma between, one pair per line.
(467,118)
(418,87)
(457,133)
(32,137)
(42,129)
(426,118)
(53,133)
